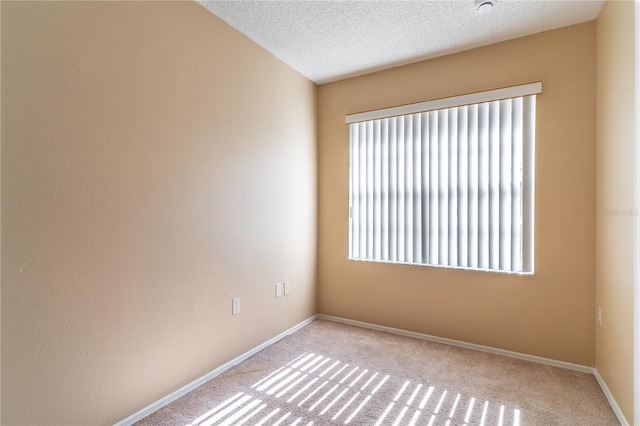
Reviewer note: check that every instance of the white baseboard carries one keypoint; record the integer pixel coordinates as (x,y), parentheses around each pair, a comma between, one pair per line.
(212,374)
(611,399)
(473,346)
(532,358)
(503,352)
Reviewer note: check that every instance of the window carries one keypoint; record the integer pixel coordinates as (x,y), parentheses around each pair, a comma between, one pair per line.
(446,183)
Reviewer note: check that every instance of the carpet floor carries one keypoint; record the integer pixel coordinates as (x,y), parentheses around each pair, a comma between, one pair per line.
(329,373)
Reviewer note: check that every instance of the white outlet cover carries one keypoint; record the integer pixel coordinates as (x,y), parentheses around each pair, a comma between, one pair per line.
(287,288)
(235,306)
(278,289)
(599,316)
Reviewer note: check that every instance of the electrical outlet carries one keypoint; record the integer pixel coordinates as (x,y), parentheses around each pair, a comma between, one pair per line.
(235,306)
(287,288)
(278,289)
(599,316)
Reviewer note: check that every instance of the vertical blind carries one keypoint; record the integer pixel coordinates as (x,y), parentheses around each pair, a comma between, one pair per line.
(446,186)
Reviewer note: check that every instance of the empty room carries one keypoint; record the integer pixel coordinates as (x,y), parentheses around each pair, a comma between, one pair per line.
(320,212)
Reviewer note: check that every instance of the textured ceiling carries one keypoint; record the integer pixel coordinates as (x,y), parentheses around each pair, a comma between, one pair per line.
(330,40)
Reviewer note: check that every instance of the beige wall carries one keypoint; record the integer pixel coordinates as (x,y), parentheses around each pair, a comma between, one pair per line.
(614,231)
(0,218)
(550,314)
(155,164)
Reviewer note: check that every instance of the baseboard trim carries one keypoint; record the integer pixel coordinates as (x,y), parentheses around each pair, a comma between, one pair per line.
(458,343)
(503,352)
(212,374)
(518,355)
(612,401)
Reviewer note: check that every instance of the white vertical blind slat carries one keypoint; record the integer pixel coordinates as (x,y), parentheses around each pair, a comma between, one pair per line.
(434,189)
(516,189)
(529,110)
(417,178)
(384,133)
(393,190)
(424,119)
(463,187)
(401,189)
(354,193)
(453,186)
(506,166)
(494,185)
(369,208)
(408,190)
(483,185)
(377,191)
(360,179)
(474,173)
(443,189)
(363,190)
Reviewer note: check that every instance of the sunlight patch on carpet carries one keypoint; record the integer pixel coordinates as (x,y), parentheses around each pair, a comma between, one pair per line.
(326,392)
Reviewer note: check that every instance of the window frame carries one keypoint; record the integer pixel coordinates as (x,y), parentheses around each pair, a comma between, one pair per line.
(530,91)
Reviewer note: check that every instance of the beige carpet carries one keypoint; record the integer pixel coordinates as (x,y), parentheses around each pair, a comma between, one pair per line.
(329,373)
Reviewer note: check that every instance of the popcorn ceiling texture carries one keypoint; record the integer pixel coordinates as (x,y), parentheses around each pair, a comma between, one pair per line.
(330,40)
